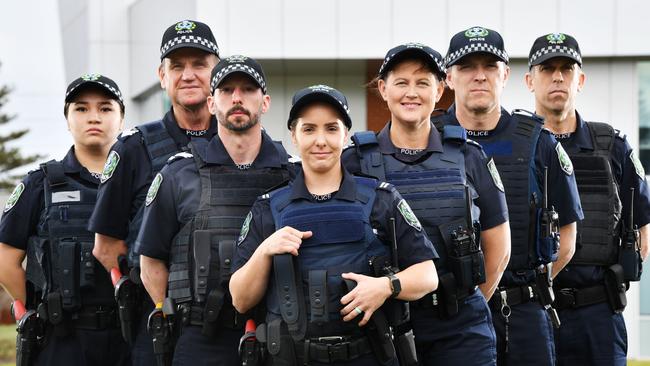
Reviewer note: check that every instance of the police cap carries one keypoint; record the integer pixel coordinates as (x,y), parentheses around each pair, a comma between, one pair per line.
(97,80)
(320,93)
(188,34)
(554,45)
(475,40)
(237,63)
(413,50)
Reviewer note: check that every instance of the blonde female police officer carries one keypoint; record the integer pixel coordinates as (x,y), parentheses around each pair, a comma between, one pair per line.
(311,247)
(45,218)
(431,168)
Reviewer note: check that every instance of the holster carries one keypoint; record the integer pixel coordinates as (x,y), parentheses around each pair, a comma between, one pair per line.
(27,338)
(127,296)
(405,347)
(251,349)
(545,295)
(160,326)
(615,288)
(280,344)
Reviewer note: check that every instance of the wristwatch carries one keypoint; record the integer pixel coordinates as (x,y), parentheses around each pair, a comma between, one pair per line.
(395,285)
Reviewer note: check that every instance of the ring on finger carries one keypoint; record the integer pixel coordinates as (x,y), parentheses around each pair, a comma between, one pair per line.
(358,310)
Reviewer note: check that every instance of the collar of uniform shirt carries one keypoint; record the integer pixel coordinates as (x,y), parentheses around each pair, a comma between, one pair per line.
(450,118)
(386,145)
(215,153)
(347,190)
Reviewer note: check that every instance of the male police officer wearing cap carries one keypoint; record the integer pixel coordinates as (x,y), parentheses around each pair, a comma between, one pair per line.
(527,157)
(435,181)
(590,291)
(188,52)
(195,209)
(45,219)
(328,235)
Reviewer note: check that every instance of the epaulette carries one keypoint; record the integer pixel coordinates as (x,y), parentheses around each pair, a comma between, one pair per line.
(295,159)
(385,186)
(472,142)
(125,134)
(180,155)
(528,114)
(619,134)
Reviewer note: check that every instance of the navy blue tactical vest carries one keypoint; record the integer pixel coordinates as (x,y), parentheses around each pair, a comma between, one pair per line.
(599,234)
(60,263)
(202,251)
(513,151)
(160,147)
(434,188)
(343,241)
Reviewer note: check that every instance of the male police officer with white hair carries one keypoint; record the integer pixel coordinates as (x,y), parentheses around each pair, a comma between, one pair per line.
(590,291)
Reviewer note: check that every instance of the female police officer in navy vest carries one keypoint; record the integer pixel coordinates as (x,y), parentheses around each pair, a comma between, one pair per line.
(439,172)
(319,249)
(45,219)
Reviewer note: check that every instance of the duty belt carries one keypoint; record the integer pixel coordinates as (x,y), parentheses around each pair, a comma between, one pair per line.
(95,318)
(514,296)
(228,317)
(567,298)
(433,300)
(332,350)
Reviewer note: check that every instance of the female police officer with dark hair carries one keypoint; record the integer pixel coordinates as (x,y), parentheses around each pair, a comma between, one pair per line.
(439,172)
(45,219)
(321,245)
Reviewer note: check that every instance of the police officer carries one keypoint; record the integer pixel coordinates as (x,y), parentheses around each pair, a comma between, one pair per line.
(195,209)
(45,219)
(327,236)
(188,52)
(527,157)
(432,169)
(590,291)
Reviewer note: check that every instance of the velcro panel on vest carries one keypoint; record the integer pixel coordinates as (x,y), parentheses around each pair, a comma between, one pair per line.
(368,150)
(201,257)
(318,297)
(338,224)
(54,173)
(598,233)
(160,144)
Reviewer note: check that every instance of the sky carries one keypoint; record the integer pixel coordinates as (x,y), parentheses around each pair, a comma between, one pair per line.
(31,60)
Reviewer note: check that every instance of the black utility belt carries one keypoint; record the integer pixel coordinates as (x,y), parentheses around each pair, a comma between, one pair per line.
(513,296)
(332,350)
(90,317)
(435,299)
(194,314)
(573,298)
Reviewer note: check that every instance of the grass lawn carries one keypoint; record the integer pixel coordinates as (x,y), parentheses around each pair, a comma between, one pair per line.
(7,345)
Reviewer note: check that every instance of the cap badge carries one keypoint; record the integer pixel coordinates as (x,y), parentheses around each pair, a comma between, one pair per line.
(476,32)
(414,45)
(185,26)
(321,88)
(90,77)
(555,38)
(236,59)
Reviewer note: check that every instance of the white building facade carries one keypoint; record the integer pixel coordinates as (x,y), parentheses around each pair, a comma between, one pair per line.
(340,43)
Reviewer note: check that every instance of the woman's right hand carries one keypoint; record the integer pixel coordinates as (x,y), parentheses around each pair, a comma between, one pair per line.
(285,240)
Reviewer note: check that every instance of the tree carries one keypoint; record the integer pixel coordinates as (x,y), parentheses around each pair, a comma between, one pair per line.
(10,157)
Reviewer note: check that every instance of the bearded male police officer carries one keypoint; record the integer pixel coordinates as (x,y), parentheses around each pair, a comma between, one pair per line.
(435,181)
(527,156)
(188,54)
(590,291)
(195,209)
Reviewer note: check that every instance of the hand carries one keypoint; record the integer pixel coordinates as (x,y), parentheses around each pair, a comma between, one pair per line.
(368,296)
(285,240)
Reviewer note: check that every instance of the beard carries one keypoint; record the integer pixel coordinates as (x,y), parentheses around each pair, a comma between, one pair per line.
(241,123)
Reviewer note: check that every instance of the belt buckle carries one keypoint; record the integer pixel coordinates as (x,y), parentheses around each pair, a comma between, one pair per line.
(338,352)
(330,339)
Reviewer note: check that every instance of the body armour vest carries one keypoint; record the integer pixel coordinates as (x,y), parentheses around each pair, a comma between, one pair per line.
(434,187)
(513,151)
(202,251)
(160,147)
(599,234)
(60,263)
(343,241)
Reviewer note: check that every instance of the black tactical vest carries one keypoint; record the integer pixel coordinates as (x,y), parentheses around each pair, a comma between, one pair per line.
(599,234)
(59,257)
(202,251)
(513,151)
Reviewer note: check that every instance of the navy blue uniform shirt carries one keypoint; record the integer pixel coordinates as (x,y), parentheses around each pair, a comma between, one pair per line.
(120,197)
(562,188)
(491,201)
(413,246)
(625,176)
(21,220)
(177,199)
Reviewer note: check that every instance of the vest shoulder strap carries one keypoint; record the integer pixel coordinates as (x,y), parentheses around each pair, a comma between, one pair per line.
(529,124)
(54,174)
(179,156)
(602,135)
(159,143)
(454,134)
(371,161)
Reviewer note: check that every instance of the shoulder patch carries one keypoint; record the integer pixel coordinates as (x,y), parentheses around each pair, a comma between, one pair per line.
(15,195)
(638,167)
(129,132)
(180,155)
(563,158)
(496,178)
(110,165)
(408,215)
(245,228)
(153,189)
